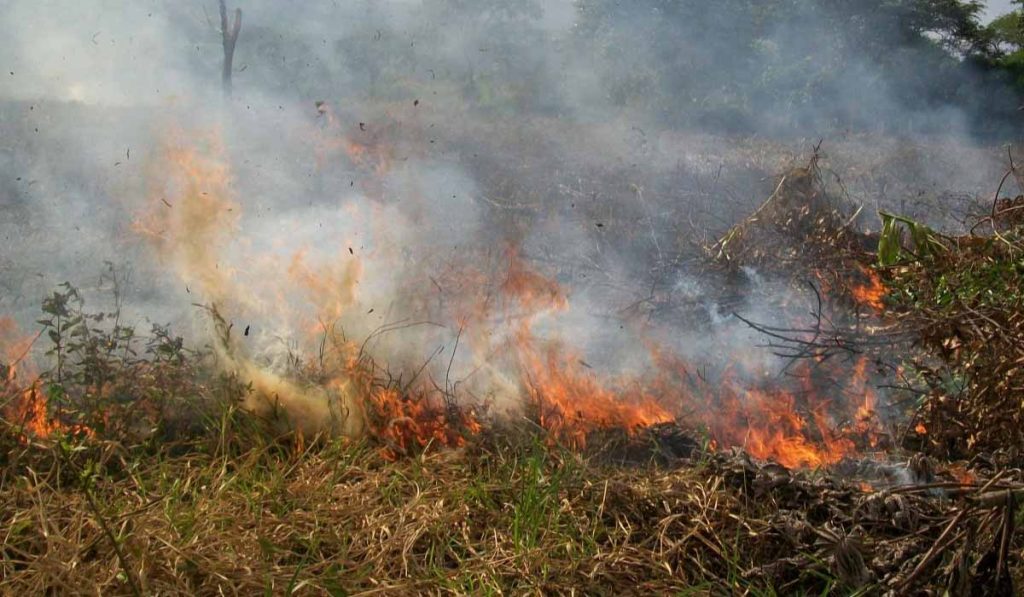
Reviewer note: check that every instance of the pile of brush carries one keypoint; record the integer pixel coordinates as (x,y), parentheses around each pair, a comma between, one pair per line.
(965,297)
(952,305)
(802,224)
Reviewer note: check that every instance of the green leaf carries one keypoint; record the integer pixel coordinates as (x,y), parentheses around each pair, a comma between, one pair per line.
(888,241)
(890,250)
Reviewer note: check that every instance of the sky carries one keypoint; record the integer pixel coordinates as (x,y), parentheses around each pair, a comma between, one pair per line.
(996,8)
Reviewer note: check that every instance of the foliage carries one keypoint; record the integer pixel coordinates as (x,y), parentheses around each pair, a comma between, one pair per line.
(795,64)
(965,296)
(105,374)
(890,247)
(1007,33)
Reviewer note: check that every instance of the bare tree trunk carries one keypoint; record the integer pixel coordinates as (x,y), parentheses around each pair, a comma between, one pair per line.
(230,37)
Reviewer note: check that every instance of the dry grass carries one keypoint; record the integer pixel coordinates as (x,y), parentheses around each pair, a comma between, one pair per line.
(505,515)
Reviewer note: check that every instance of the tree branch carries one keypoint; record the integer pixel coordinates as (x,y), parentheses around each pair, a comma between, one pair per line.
(230,35)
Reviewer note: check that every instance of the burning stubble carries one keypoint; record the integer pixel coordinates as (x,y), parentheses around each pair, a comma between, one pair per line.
(503,231)
(514,320)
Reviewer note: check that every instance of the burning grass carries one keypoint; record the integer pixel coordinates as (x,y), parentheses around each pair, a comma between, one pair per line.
(138,466)
(188,492)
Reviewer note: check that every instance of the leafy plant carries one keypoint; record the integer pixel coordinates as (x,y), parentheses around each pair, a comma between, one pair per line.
(890,246)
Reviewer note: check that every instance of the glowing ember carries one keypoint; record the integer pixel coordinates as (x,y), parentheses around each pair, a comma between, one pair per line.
(962,475)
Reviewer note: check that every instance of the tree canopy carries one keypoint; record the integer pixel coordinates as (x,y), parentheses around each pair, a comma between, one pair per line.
(895,64)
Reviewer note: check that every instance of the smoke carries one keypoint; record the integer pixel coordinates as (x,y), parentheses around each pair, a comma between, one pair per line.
(387,163)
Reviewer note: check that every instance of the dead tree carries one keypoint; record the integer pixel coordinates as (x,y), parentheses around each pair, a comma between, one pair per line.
(230,37)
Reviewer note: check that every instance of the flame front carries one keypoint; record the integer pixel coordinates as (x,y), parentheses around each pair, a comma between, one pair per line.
(340,386)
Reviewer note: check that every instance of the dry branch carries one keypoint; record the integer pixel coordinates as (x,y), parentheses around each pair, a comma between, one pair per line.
(230,38)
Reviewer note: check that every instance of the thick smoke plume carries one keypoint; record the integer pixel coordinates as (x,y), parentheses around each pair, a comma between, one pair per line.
(436,183)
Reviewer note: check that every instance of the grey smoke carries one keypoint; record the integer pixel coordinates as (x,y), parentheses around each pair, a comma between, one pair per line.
(525,130)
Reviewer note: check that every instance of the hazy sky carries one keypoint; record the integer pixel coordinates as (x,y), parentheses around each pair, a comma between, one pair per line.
(996,8)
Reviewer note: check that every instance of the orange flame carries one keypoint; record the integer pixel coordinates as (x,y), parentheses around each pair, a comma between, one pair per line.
(28,409)
(872,293)
(962,475)
(768,424)
(796,426)
(572,402)
(417,422)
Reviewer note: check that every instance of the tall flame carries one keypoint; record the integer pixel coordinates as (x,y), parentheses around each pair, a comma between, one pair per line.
(191,221)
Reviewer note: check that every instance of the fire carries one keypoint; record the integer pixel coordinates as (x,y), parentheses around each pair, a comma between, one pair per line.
(31,413)
(865,421)
(194,222)
(191,214)
(510,313)
(872,293)
(532,290)
(331,288)
(26,407)
(962,475)
(407,423)
(768,424)
(571,402)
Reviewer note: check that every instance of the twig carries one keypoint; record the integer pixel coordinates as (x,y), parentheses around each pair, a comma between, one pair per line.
(995,200)
(1008,528)
(133,582)
(937,547)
